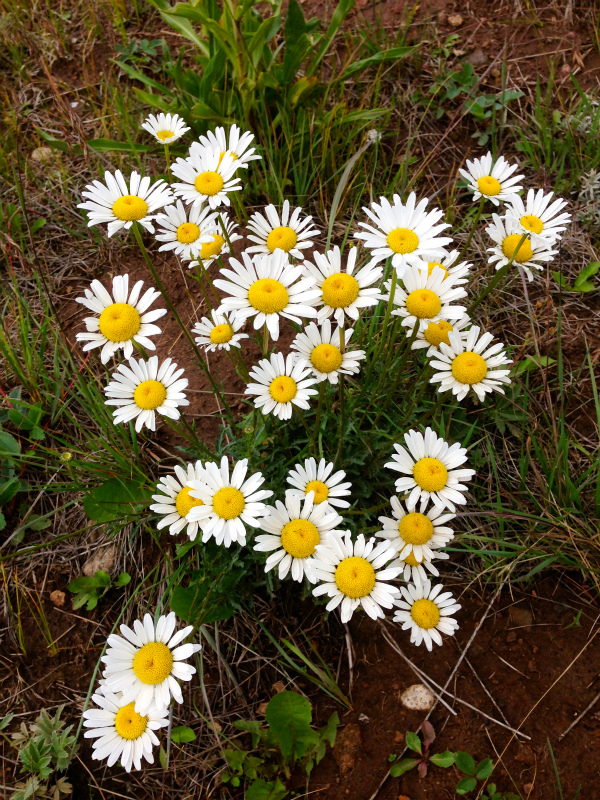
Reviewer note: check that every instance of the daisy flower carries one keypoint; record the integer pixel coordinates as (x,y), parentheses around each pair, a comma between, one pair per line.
(506,232)
(228,504)
(343,292)
(206,178)
(166,128)
(175,502)
(416,571)
(427,611)
(426,298)
(493,181)
(143,388)
(470,364)
(437,332)
(186,232)
(457,273)
(288,233)
(121,205)
(217,246)
(414,532)
(122,733)
(404,233)
(266,287)
(220,333)
(293,530)
(430,466)
(238,147)
(319,348)
(146,662)
(352,575)
(317,478)
(281,384)
(538,216)
(122,319)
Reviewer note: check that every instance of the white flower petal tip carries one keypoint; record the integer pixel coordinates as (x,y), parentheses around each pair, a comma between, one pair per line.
(326,353)
(280,384)
(492,181)
(426,612)
(220,332)
(166,128)
(327,486)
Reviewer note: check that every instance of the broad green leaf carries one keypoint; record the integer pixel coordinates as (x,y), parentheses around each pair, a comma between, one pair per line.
(413,742)
(530,363)
(405,765)
(182,734)
(136,75)
(465,763)
(182,26)
(115,500)
(484,769)
(289,716)
(113,146)
(339,15)
(188,604)
(266,31)
(2,521)
(8,445)
(266,790)
(465,785)
(297,42)
(394,54)
(582,284)
(55,144)
(162,757)
(8,490)
(98,581)
(445,759)
(123,579)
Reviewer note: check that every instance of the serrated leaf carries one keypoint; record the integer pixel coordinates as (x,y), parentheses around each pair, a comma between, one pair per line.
(183,734)
(413,742)
(445,759)
(289,715)
(465,762)
(405,765)
(465,785)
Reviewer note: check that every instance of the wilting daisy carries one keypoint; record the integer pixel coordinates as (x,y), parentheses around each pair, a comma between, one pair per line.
(281,384)
(121,205)
(470,364)
(185,232)
(238,147)
(220,333)
(122,319)
(218,245)
(228,504)
(426,298)
(175,502)
(145,663)
(430,465)
(539,216)
(319,348)
(266,287)
(414,532)
(352,574)
(493,181)
(318,478)
(166,128)
(457,273)
(506,232)
(343,292)
(416,571)
(426,611)
(293,530)
(206,177)
(122,733)
(437,332)
(288,233)
(404,233)
(142,389)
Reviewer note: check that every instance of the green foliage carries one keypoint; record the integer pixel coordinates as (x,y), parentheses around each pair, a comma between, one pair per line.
(582,283)
(116,499)
(90,590)
(413,742)
(183,734)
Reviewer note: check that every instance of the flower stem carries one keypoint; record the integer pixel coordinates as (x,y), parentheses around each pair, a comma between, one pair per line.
(472,231)
(265,341)
(342,396)
(311,437)
(497,278)
(388,311)
(168,160)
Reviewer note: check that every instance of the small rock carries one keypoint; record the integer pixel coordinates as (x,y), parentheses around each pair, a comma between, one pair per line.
(399,737)
(57,598)
(363,718)
(417,697)
(521,617)
(347,744)
(442,18)
(455,20)
(278,687)
(103,559)
(478,58)
(42,155)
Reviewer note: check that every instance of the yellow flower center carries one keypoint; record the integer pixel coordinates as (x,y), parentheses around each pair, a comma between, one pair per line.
(268,295)
(510,245)
(228,503)
(119,322)
(184,502)
(209,183)
(210,249)
(355,577)
(283,389)
(411,560)
(221,334)
(469,368)
(402,240)
(320,489)
(425,613)
(283,238)
(415,528)
(150,395)
(299,538)
(163,135)
(340,290)
(326,357)
(187,233)
(532,223)
(423,304)
(437,332)
(128,723)
(130,207)
(489,186)
(153,663)
(430,474)
(431,265)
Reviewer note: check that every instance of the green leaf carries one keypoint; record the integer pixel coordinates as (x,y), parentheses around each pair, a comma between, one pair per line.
(393,54)
(405,765)
(530,363)
(55,144)
(182,26)
(297,42)
(445,759)
(188,604)
(413,742)
(182,734)
(2,521)
(162,757)
(123,579)
(115,500)
(465,763)
(465,785)
(582,284)
(5,721)
(263,790)
(342,10)
(113,146)
(8,445)
(289,716)
(8,490)
(484,769)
